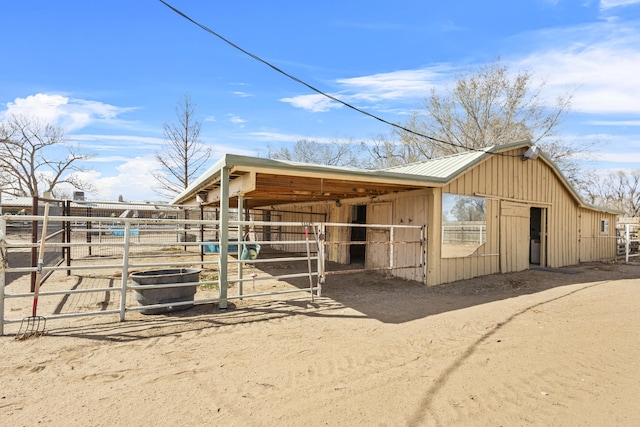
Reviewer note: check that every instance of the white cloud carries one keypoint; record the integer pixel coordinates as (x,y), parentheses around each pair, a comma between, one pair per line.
(377,88)
(133,180)
(68,113)
(316,102)
(600,62)
(101,146)
(619,157)
(285,137)
(127,139)
(613,122)
(107,159)
(609,4)
(241,94)
(394,85)
(275,136)
(236,119)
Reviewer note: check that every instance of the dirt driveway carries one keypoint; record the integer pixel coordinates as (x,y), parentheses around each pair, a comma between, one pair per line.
(542,347)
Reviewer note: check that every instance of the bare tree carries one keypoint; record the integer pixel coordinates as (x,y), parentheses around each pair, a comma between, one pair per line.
(183,155)
(488,107)
(618,190)
(31,160)
(344,152)
(469,209)
(387,152)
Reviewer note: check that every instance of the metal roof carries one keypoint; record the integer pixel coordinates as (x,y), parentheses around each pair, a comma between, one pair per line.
(141,206)
(7,200)
(22,201)
(442,168)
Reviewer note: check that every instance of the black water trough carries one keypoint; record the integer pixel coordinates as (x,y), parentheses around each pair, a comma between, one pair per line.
(164,296)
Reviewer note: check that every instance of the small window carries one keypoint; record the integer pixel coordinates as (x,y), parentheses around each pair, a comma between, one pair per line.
(604,225)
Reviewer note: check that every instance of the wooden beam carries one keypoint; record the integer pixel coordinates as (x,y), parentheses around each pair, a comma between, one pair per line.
(243,184)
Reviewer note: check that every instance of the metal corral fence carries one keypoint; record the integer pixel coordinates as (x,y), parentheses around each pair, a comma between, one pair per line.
(250,247)
(99,231)
(95,228)
(628,240)
(27,231)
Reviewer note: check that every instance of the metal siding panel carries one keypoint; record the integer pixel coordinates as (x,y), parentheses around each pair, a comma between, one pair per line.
(514,236)
(434,261)
(475,177)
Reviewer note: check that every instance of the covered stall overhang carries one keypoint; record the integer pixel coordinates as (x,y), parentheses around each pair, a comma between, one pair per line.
(266,182)
(248,182)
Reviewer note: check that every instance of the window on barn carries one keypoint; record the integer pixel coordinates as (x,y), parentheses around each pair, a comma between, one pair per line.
(464,224)
(604,225)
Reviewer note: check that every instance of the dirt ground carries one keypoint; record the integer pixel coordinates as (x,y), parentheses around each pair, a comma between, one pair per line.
(541,347)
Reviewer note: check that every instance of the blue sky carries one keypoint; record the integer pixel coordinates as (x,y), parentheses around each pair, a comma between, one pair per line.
(110,73)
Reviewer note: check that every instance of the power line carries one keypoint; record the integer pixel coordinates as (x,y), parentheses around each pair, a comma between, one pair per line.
(314,89)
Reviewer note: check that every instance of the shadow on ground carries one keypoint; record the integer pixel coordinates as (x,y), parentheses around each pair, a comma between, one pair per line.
(392,300)
(357,296)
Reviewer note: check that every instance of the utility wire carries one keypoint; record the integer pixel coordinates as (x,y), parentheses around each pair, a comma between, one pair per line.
(314,89)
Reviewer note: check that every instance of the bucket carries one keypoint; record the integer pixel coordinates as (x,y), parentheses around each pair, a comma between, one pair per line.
(146,297)
(250,251)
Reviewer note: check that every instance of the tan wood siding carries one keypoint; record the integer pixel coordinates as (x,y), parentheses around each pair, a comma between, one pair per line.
(515,221)
(409,209)
(377,249)
(511,187)
(596,244)
(532,183)
(587,231)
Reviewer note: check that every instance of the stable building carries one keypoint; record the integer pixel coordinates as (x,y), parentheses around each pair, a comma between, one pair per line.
(497,210)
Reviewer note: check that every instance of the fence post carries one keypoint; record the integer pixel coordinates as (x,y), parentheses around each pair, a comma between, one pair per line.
(125,270)
(224,238)
(321,249)
(67,233)
(391,249)
(423,252)
(240,242)
(201,247)
(4,261)
(627,238)
(34,239)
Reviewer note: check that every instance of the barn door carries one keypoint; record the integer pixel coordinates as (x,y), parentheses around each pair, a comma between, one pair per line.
(514,236)
(377,253)
(586,238)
